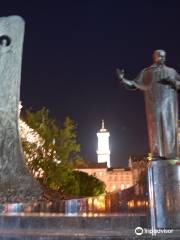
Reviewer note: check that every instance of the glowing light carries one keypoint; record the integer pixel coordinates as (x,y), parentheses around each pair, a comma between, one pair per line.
(131,204)
(90,214)
(30,135)
(102,198)
(103,150)
(149,157)
(122,186)
(103,144)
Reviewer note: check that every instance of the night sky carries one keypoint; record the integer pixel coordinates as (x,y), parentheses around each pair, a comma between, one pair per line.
(71,52)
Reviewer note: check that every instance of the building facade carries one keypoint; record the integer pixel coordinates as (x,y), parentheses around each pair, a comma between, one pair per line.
(115,179)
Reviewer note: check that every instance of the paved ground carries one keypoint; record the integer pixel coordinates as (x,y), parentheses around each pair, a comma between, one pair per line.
(45,234)
(61,227)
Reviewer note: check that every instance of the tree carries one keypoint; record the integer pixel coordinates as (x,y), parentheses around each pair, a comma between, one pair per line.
(51,157)
(52,153)
(88,184)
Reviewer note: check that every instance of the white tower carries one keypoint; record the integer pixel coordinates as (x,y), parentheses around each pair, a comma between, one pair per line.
(103,151)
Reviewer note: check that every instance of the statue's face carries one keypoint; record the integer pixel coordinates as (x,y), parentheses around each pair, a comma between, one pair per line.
(159,57)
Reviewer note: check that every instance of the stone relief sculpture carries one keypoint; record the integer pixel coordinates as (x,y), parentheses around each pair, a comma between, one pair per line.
(16,184)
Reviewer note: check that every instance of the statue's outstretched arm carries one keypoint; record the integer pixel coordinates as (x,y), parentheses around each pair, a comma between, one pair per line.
(130,84)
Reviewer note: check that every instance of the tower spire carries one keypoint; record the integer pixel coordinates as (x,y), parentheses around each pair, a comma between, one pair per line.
(103,124)
(102,127)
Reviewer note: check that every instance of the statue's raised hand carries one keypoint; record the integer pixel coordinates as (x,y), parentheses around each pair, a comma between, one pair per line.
(120,73)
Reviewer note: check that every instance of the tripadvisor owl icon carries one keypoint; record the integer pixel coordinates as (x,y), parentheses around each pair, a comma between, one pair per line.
(139,231)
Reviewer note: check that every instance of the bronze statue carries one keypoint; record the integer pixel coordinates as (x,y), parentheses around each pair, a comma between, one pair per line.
(159,84)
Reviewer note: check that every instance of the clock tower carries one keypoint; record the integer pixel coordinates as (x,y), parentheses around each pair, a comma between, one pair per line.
(103,151)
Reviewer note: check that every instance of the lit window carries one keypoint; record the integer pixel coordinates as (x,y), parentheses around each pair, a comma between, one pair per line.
(122,186)
(100,174)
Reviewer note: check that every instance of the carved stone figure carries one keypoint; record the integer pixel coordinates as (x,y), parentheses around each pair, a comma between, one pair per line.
(16,184)
(159,84)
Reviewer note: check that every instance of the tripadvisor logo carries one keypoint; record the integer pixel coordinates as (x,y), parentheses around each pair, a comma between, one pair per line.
(139,231)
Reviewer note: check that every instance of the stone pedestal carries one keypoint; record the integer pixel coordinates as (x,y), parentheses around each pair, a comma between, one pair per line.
(164,194)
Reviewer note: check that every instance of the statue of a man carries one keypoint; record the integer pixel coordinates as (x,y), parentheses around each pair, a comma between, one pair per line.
(159,84)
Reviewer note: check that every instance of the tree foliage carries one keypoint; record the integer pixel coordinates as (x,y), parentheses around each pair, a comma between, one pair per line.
(88,184)
(53,157)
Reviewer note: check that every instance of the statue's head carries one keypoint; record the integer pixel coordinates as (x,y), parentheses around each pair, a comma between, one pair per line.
(159,56)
